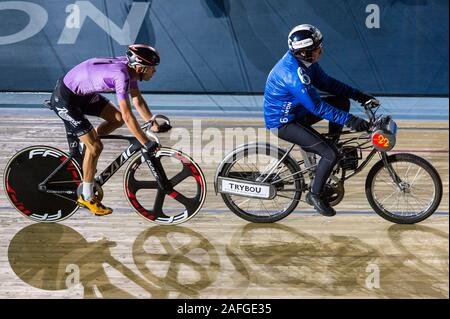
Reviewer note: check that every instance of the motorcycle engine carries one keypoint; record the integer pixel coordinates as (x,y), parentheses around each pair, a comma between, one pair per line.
(350,158)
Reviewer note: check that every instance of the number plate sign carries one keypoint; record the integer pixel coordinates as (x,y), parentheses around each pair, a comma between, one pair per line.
(246,188)
(380,141)
(383,141)
(383,138)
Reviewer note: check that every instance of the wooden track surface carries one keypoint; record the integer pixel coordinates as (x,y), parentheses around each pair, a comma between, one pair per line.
(216,254)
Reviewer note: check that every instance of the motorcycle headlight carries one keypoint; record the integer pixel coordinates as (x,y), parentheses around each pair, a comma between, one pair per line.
(384,136)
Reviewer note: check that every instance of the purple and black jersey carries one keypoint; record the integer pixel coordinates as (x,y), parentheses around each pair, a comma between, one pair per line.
(101,75)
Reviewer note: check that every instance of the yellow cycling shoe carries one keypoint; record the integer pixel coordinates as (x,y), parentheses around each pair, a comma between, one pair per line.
(94,205)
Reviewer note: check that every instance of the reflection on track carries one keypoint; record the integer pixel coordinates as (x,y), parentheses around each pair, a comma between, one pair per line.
(177,262)
(278,256)
(177,247)
(41,254)
(275,255)
(422,250)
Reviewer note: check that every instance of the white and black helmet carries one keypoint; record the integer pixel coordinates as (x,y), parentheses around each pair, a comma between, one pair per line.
(143,55)
(304,38)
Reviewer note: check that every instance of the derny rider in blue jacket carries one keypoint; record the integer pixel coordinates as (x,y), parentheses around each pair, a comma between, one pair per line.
(292,104)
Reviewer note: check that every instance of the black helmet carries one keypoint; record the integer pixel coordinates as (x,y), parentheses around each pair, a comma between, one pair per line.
(304,38)
(141,54)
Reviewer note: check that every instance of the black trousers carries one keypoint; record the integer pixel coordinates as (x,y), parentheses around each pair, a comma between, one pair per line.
(302,134)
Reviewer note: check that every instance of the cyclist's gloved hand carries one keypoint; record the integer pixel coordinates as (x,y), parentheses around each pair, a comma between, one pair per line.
(364,98)
(357,124)
(151,146)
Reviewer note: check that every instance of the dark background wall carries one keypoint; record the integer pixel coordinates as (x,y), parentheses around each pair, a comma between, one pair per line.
(229,46)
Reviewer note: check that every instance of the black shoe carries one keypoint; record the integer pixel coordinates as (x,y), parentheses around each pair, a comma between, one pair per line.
(320,205)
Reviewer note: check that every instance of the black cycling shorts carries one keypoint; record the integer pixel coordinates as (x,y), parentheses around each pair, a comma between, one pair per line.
(72,108)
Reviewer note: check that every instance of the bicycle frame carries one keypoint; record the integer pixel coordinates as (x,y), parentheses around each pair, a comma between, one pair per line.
(133,148)
(359,147)
(371,116)
(310,166)
(383,156)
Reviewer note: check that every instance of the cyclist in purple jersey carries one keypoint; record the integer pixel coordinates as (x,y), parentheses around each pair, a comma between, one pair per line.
(77,95)
(101,75)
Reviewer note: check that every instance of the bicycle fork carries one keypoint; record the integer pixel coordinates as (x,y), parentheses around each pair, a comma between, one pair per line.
(158,171)
(395,178)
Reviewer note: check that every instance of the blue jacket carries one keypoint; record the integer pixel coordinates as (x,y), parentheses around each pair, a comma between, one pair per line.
(291,93)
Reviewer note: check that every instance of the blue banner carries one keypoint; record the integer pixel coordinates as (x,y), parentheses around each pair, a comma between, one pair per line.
(390,47)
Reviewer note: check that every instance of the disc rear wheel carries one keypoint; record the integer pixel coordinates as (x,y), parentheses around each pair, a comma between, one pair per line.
(29,168)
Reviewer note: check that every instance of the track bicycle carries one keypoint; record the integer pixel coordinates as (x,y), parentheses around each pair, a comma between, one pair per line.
(263,183)
(165,187)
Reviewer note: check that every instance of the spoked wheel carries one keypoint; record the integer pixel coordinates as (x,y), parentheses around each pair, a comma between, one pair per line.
(186,178)
(254,163)
(418,196)
(30,167)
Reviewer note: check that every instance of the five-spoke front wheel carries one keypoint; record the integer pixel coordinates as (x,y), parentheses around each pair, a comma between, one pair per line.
(149,201)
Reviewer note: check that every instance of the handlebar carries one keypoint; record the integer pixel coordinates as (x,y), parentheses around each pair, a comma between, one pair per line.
(164,126)
(146,127)
(375,122)
(368,106)
(153,120)
(381,122)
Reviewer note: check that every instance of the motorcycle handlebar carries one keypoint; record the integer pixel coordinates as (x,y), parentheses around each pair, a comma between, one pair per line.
(368,106)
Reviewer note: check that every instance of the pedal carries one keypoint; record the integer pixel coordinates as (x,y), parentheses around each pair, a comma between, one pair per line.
(81,205)
(308,202)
